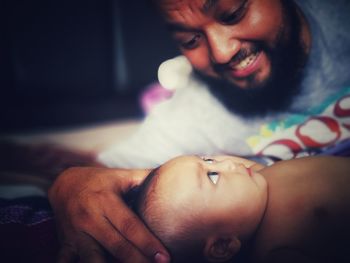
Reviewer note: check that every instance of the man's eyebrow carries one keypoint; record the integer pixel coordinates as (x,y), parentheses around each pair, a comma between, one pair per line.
(208,5)
(178,27)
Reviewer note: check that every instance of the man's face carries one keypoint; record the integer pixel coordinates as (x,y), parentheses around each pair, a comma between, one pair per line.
(239,42)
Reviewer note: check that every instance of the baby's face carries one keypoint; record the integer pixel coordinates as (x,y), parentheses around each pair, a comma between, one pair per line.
(222,193)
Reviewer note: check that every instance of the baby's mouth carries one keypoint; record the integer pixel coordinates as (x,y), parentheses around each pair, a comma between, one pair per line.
(250,172)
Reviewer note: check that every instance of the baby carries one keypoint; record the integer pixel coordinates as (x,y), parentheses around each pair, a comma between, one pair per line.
(210,209)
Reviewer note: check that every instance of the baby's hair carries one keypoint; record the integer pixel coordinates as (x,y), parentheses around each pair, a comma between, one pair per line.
(182,244)
(146,192)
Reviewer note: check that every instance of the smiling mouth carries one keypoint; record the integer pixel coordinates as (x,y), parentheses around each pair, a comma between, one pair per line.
(246,62)
(246,66)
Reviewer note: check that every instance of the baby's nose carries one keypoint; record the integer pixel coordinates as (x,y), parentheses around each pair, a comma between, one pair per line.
(228,165)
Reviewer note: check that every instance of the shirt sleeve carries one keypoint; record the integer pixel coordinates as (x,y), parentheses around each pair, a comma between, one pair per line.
(193,122)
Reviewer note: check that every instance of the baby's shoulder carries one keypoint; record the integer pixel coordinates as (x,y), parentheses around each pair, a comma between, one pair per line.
(305,214)
(275,235)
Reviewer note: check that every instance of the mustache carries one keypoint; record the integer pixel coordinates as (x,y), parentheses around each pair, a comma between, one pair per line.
(237,58)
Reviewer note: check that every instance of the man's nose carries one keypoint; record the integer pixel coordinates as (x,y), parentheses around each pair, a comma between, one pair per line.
(223,46)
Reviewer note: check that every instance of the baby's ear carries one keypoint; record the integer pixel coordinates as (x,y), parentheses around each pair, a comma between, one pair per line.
(221,249)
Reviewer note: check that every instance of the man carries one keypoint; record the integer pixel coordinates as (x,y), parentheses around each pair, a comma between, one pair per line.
(255,62)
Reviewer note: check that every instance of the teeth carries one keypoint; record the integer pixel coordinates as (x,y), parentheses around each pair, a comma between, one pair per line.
(246,62)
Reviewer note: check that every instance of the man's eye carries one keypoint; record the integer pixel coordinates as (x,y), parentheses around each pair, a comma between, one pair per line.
(235,16)
(192,43)
(214,177)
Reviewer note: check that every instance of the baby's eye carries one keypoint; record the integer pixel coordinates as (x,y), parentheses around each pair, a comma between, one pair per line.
(214,177)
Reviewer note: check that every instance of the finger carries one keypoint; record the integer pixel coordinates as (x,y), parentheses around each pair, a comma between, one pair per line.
(90,251)
(132,228)
(67,254)
(119,247)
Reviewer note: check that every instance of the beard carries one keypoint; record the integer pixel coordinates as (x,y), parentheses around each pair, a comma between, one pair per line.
(275,94)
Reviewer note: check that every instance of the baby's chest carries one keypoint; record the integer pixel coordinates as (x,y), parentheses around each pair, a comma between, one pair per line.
(318,232)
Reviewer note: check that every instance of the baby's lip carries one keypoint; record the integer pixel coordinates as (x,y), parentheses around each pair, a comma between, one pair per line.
(250,172)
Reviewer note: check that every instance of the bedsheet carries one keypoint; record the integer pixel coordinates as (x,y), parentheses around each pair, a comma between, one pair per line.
(31,161)
(27,230)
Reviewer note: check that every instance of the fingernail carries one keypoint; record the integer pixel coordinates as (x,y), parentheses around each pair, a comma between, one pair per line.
(161,258)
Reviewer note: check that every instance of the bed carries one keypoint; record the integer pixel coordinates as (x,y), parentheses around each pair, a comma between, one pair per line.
(26,220)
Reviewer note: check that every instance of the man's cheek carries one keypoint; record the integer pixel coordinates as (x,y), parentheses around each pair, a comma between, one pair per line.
(265,21)
(200,60)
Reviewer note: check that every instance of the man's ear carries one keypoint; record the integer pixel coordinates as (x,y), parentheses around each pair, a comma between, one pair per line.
(221,249)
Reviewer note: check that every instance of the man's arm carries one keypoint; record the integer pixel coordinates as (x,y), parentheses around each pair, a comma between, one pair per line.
(91,213)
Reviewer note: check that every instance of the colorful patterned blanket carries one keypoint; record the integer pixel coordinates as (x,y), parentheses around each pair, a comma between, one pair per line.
(324,129)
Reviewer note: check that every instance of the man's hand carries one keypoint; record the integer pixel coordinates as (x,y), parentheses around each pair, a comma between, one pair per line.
(91,214)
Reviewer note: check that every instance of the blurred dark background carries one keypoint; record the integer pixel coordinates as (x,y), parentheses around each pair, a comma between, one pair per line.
(75,62)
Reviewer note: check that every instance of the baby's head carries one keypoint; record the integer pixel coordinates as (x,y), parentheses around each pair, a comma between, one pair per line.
(203,209)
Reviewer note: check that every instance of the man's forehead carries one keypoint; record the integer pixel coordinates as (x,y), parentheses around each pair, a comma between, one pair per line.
(187,11)
(203,5)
